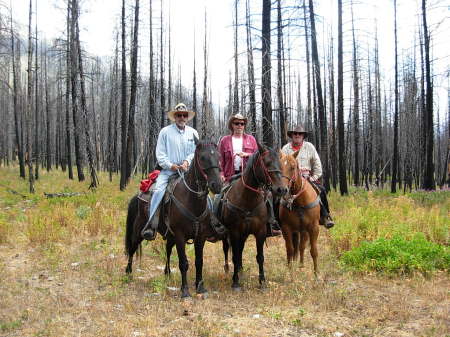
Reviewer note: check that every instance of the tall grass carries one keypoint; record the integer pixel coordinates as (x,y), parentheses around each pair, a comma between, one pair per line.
(367,216)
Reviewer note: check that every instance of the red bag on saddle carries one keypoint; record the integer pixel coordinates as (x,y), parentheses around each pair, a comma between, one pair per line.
(146,183)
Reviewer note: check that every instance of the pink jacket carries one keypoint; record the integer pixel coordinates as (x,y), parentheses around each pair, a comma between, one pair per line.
(226,153)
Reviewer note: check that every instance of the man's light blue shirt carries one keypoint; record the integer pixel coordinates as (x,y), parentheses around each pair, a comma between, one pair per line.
(175,145)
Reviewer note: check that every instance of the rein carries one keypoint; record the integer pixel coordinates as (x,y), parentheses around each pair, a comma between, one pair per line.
(268,180)
(200,193)
(196,220)
(289,200)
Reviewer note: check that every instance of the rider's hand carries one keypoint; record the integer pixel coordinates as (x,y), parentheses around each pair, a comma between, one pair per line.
(185,165)
(174,167)
(243,154)
(223,178)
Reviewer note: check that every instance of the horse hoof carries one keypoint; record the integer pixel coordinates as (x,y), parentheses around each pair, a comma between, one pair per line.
(226,268)
(185,295)
(200,289)
(262,285)
(236,288)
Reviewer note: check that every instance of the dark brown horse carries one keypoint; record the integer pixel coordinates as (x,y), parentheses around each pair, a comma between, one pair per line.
(299,212)
(187,214)
(244,209)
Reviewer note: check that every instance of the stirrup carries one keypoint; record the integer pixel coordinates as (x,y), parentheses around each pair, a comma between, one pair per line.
(327,222)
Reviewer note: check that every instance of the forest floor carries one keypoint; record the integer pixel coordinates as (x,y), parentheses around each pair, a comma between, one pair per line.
(62,274)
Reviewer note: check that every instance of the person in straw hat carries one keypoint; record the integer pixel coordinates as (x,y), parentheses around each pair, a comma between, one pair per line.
(235,149)
(310,165)
(174,151)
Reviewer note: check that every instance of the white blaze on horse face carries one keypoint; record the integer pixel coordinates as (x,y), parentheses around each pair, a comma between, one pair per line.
(212,151)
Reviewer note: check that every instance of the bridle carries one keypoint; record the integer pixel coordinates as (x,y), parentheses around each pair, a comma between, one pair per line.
(259,162)
(202,192)
(288,198)
(291,182)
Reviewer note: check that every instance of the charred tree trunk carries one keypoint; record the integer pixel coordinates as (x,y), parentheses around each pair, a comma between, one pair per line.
(90,152)
(320,104)
(236,61)
(395,155)
(266,90)
(251,75)
(281,103)
(133,87)
(341,140)
(17,127)
(67,96)
(29,104)
(123,108)
(428,181)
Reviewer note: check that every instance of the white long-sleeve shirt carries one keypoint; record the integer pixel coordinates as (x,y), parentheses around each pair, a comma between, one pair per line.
(175,145)
(308,159)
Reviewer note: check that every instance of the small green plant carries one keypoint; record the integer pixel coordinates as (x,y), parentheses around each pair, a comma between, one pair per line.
(8,326)
(398,255)
(82,212)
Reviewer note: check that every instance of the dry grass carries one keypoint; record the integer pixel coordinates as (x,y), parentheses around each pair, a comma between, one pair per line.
(62,274)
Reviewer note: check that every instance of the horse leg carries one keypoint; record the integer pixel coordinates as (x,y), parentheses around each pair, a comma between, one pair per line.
(132,247)
(296,243)
(303,240)
(183,264)
(313,235)
(260,259)
(169,245)
(199,244)
(237,261)
(226,249)
(288,239)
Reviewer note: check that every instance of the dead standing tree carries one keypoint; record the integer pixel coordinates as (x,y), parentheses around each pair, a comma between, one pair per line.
(266,90)
(320,103)
(29,158)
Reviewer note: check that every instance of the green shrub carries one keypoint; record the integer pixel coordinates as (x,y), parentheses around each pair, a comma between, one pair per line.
(398,255)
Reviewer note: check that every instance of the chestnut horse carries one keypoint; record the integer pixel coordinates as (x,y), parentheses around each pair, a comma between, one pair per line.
(187,214)
(299,212)
(244,209)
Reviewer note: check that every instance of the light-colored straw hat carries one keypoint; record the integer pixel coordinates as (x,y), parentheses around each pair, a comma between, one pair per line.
(236,117)
(180,108)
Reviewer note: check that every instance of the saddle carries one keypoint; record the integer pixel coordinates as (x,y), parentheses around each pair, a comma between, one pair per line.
(146,197)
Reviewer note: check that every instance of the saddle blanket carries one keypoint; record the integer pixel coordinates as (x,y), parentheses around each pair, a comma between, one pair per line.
(146,183)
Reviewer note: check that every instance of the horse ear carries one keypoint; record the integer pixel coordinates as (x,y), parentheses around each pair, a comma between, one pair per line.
(295,154)
(195,140)
(261,147)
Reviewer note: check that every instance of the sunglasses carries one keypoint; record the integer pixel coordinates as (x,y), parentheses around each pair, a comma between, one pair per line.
(182,115)
(239,123)
(297,133)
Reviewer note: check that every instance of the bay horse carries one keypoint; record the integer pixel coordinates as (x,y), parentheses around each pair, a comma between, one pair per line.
(244,209)
(299,212)
(187,214)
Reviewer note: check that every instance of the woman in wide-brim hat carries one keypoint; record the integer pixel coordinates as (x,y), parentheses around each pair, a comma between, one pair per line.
(236,118)
(180,108)
(235,149)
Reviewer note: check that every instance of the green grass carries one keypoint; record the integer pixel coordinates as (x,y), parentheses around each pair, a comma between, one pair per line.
(398,255)
(366,216)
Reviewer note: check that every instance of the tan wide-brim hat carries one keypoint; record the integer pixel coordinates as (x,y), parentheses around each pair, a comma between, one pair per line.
(299,128)
(236,117)
(179,108)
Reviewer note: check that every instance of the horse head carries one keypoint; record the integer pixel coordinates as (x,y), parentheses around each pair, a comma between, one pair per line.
(289,169)
(266,168)
(206,161)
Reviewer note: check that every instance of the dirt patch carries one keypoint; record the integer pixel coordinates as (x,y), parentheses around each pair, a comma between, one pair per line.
(82,289)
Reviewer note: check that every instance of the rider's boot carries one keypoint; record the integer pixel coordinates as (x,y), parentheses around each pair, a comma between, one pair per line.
(273,228)
(325,218)
(150,228)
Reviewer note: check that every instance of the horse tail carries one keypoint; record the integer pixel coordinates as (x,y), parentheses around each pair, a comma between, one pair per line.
(129,234)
